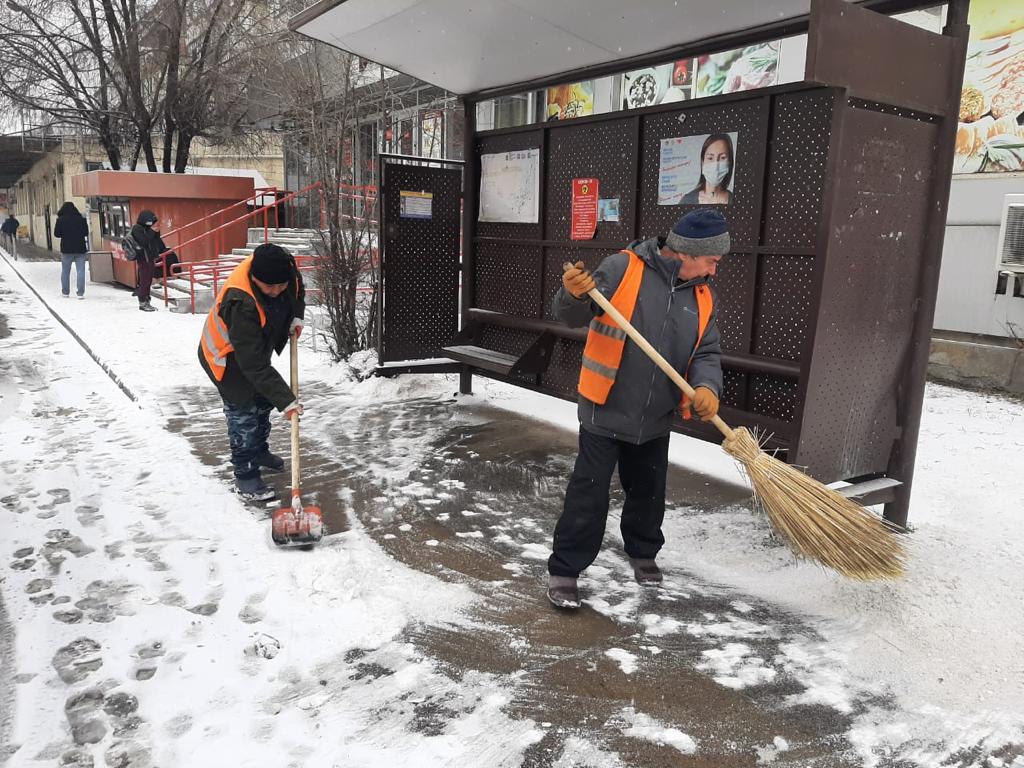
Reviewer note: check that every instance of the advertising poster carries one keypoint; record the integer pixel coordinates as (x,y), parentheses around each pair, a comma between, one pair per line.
(741,69)
(510,186)
(989,137)
(415,205)
(584,209)
(565,102)
(697,170)
(656,85)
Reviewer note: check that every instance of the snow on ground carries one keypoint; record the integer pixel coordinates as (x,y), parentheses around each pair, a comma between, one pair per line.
(944,643)
(246,645)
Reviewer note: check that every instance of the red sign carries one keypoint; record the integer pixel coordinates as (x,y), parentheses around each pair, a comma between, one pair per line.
(584,209)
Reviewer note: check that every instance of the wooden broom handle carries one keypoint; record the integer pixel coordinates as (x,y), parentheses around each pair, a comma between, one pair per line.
(650,351)
(294,342)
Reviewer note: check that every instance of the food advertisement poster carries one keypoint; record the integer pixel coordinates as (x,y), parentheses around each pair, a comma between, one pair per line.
(656,85)
(741,69)
(565,102)
(697,170)
(989,137)
(584,209)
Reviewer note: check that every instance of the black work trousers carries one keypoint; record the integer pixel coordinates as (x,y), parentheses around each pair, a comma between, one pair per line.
(580,529)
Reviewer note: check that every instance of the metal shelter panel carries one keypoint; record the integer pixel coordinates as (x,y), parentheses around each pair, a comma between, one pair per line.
(420,262)
(880,215)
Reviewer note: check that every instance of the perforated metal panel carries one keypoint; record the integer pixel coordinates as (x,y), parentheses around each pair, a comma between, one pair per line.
(750,120)
(734,287)
(796,168)
(420,263)
(785,306)
(563,373)
(881,210)
(606,151)
(509,279)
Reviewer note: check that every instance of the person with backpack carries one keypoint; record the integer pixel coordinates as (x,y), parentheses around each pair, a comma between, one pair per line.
(73,232)
(147,247)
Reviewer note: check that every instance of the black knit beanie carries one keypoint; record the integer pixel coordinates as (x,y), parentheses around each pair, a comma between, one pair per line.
(272,264)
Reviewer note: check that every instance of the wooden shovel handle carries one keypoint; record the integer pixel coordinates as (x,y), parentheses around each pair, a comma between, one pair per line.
(597,297)
(294,342)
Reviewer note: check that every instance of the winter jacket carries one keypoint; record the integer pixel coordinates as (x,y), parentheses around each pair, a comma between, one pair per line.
(10,226)
(151,245)
(642,402)
(249,371)
(72,230)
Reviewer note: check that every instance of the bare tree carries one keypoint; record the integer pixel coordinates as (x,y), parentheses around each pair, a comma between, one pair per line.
(322,103)
(127,71)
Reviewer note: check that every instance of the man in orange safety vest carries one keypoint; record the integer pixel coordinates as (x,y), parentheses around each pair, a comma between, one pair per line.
(626,404)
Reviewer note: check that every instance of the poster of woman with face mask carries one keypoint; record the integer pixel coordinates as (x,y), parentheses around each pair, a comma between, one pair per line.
(697,170)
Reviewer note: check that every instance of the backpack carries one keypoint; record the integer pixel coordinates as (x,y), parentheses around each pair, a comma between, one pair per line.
(130,247)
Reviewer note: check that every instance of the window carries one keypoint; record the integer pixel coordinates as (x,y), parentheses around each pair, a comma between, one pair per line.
(114,219)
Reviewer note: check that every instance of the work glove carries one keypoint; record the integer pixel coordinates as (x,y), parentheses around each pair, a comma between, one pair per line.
(578,281)
(293,409)
(705,403)
(296,327)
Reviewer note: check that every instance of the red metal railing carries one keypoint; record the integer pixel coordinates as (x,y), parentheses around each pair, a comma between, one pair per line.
(213,270)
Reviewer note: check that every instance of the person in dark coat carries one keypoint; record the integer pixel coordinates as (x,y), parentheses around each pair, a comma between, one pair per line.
(9,233)
(150,247)
(626,404)
(258,308)
(73,232)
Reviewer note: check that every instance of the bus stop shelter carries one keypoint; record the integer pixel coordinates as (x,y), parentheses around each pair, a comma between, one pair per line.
(837,210)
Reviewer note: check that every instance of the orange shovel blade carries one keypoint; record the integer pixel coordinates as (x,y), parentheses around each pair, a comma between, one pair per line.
(295,526)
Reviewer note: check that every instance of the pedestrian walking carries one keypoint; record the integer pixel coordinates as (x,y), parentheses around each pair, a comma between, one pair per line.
(9,234)
(150,247)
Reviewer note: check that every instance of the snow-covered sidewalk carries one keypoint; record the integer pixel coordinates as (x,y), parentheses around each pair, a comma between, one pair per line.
(154,619)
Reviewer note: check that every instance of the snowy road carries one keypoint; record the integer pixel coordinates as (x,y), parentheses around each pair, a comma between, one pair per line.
(156,625)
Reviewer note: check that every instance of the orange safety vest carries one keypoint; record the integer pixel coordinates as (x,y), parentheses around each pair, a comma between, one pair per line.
(606,340)
(216,344)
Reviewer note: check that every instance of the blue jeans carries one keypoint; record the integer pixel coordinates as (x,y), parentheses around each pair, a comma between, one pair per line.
(248,430)
(65,272)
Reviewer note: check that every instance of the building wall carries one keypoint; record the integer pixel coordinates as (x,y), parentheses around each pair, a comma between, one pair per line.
(967,301)
(48,185)
(48,182)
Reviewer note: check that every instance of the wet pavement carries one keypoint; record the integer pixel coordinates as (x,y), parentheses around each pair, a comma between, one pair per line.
(470,494)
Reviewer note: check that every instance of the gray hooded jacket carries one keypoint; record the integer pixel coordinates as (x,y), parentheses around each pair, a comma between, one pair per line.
(643,399)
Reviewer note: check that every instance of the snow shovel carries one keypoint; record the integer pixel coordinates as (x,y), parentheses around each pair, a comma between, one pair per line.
(293,524)
(814,520)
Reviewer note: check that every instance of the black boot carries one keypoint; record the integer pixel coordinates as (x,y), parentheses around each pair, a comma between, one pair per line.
(145,306)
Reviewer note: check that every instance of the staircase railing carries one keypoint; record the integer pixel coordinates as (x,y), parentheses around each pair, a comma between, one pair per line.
(216,233)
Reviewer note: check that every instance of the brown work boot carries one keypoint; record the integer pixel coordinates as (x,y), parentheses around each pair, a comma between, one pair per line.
(563,592)
(646,572)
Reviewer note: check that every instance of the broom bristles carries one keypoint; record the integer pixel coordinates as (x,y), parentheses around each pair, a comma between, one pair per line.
(815,521)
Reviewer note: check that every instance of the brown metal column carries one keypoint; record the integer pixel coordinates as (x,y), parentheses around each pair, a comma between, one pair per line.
(470,186)
(901,465)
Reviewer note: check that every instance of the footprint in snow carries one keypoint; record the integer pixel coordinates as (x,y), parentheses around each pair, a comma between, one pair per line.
(77,660)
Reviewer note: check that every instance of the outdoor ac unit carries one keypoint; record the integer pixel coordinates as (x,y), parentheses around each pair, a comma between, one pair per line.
(1011,235)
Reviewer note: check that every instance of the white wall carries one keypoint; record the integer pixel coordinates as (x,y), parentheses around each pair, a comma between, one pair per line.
(967,301)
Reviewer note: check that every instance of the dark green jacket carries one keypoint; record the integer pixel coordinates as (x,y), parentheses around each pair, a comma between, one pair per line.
(248,372)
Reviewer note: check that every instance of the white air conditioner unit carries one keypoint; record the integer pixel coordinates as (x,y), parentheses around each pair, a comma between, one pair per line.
(1010,257)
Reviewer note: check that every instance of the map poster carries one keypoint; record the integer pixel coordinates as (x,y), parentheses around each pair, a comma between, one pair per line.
(510,187)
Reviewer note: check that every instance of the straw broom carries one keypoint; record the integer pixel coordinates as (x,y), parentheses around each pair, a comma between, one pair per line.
(815,521)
